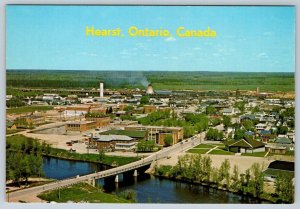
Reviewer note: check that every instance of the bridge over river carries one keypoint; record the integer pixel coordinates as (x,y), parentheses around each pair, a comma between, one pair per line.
(28,194)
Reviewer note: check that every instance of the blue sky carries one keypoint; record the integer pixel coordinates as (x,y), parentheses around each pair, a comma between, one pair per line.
(249,39)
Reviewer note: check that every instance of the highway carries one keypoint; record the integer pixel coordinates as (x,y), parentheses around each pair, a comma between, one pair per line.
(28,194)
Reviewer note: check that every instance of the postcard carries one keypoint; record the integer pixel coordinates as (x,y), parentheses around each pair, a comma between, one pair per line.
(150,104)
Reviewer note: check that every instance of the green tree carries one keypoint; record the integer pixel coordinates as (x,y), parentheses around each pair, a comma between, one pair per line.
(226,121)
(168,140)
(239,134)
(257,180)
(144,100)
(224,173)
(128,108)
(248,125)
(240,106)
(101,154)
(235,178)
(284,187)
(210,110)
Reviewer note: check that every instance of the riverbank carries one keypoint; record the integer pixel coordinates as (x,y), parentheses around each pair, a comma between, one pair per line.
(163,172)
(85,193)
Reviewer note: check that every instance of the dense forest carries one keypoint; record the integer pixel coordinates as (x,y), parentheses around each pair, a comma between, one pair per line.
(172,80)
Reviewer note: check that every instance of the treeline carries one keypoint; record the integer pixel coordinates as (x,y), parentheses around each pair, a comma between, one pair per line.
(133,79)
(199,169)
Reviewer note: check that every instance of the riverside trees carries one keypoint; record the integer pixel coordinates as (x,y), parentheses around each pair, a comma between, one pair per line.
(23,159)
(198,169)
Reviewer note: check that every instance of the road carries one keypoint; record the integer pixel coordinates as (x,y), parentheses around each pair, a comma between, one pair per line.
(29,193)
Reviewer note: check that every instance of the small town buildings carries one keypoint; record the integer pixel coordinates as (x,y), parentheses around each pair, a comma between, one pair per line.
(79,125)
(159,133)
(245,146)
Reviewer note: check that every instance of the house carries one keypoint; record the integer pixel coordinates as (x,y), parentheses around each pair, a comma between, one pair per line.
(230,111)
(266,135)
(284,142)
(247,117)
(261,126)
(244,146)
(275,149)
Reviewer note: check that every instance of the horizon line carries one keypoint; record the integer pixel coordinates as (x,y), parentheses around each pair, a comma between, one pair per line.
(205,71)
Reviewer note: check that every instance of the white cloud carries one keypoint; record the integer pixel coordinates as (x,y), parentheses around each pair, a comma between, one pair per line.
(170,39)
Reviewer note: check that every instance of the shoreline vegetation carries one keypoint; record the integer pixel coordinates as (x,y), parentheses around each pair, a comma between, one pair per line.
(197,169)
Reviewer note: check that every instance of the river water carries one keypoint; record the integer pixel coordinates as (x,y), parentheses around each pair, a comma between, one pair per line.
(149,189)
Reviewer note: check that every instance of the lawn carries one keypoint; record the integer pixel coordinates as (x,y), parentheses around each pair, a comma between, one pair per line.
(198,151)
(27,109)
(82,192)
(255,154)
(276,172)
(221,152)
(205,146)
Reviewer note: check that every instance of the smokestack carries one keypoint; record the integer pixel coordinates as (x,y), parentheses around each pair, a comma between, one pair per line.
(257,91)
(149,89)
(101,89)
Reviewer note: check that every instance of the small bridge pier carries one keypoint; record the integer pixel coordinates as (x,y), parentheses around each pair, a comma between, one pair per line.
(126,176)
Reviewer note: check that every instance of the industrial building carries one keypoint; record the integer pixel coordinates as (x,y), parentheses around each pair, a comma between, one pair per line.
(79,125)
(113,142)
(101,121)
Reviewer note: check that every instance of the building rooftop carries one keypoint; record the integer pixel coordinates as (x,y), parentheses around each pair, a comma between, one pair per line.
(79,122)
(245,143)
(130,133)
(108,138)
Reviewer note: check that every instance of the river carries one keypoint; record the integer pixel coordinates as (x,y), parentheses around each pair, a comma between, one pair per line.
(147,187)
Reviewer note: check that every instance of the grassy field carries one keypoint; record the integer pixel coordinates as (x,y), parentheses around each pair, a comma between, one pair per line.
(81,192)
(220,152)
(28,109)
(171,80)
(204,146)
(275,172)
(255,154)
(198,151)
